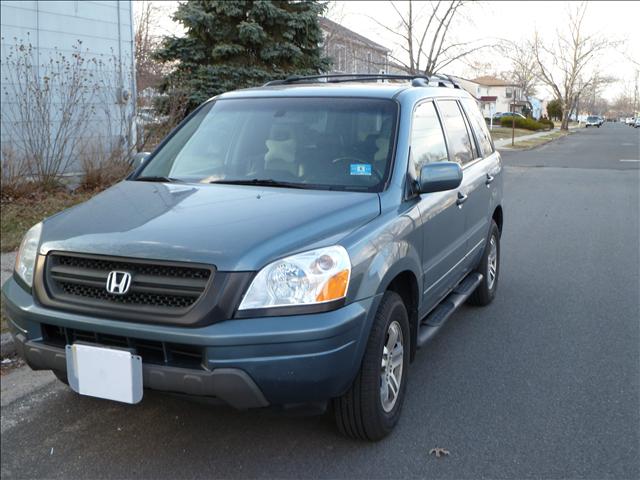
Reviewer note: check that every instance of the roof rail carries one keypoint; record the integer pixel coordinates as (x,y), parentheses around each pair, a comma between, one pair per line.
(343,77)
(416,80)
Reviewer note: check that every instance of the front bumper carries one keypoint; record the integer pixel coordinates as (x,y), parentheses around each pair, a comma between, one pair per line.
(246,362)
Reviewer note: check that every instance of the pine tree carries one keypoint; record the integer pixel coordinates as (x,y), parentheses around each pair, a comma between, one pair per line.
(236,44)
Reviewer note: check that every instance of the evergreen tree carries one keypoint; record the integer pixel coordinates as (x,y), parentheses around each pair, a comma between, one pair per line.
(241,43)
(554,109)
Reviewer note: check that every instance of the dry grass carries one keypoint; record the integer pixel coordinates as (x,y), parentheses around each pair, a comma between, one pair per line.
(20,214)
(501,133)
(538,141)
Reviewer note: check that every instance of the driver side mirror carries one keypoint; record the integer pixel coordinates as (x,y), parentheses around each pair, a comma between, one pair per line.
(139,158)
(439,177)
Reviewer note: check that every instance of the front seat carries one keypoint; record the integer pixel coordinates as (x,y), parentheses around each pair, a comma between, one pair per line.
(281,151)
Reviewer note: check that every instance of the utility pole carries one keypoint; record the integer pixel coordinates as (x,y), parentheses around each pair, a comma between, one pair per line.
(636,107)
(513,123)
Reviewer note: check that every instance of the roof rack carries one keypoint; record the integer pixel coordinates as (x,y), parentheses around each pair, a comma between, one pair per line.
(416,80)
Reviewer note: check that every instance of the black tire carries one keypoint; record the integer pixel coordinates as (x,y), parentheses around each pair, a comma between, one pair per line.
(62,376)
(359,413)
(486,291)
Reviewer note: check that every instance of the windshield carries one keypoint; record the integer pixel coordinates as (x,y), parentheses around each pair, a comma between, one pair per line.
(321,143)
(592,119)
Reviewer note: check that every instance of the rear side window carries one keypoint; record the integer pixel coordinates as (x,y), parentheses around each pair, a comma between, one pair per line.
(460,146)
(479,126)
(427,140)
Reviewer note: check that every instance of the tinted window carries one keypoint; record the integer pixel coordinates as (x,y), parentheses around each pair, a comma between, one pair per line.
(321,143)
(479,126)
(427,139)
(460,148)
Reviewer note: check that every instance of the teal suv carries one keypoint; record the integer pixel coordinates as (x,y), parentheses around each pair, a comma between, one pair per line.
(288,246)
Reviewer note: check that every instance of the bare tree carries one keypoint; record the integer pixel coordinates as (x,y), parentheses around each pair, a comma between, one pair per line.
(149,71)
(423,35)
(590,99)
(523,66)
(565,64)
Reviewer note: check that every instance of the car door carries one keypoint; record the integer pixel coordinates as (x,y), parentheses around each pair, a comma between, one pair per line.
(462,149)
(443,221)
(479,176)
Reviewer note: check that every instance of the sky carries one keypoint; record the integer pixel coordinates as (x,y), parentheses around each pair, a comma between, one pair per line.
(488,21)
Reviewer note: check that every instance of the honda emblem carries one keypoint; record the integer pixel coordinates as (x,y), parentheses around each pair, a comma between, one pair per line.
(118,283)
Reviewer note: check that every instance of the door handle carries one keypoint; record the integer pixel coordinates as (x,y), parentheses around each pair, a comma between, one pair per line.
(489,179)
(461,199)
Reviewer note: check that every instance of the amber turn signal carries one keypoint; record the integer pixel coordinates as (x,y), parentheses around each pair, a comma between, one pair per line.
(335,287)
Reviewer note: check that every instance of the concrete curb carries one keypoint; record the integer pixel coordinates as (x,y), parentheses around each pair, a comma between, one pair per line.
(7,346)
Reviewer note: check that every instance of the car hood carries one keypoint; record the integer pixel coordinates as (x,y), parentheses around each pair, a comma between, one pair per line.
(235,228)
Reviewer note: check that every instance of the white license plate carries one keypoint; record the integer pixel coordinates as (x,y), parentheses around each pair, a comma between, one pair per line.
(104,372)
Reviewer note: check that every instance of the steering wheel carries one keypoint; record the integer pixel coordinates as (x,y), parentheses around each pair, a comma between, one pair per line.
(350,159)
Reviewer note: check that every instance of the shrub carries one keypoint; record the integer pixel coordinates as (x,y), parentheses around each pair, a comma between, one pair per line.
(549,124)
(525,123)
(46,108)
(103,164)
(13,177)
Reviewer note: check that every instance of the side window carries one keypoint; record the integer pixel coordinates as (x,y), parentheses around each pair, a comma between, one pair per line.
(427,140)
(460,145)
(479,126)
(474,148)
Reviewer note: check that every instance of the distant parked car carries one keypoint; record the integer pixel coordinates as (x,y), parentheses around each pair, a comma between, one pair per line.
(500,115)
(636,124)
(592,121)
(630,121)
(148,116)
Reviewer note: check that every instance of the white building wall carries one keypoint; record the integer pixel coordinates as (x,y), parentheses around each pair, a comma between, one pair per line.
(105,29)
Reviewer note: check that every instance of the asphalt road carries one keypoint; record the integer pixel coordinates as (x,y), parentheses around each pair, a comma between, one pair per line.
(542,383)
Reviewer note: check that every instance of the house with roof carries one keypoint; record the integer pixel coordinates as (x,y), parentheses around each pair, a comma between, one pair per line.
(352,52)
(495,95)
(504,95)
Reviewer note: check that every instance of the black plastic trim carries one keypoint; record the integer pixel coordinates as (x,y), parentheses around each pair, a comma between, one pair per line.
(231,385)
(292,310)
(217,302)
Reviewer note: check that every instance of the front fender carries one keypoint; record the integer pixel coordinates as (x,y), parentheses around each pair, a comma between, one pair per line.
(381,250)
(384,248)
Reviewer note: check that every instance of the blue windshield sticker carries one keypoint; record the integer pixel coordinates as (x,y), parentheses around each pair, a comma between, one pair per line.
(360,169)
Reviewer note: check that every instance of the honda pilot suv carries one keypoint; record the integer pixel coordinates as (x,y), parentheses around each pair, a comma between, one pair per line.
(287,246)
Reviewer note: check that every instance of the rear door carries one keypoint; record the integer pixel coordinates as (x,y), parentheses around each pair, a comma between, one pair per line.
(480,176)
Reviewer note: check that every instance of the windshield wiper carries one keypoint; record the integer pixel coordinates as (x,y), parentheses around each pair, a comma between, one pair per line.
(262,182)
(157,178)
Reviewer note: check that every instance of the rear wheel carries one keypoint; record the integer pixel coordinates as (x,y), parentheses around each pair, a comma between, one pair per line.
(371,407)
(489,267)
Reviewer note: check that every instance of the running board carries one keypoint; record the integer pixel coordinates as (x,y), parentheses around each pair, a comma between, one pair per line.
(437,318)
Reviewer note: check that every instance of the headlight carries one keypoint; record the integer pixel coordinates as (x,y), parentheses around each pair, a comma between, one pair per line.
(308,278)
(26,257)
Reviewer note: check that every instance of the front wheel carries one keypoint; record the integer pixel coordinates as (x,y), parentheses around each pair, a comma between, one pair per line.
(371,407)
(489,267)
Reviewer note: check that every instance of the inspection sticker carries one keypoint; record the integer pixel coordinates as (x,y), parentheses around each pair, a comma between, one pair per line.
(360,169)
